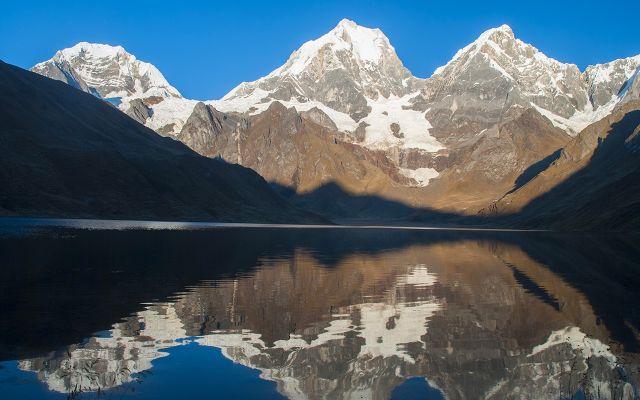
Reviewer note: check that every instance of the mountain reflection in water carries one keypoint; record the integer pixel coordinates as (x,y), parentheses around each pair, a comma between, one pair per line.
(329,313)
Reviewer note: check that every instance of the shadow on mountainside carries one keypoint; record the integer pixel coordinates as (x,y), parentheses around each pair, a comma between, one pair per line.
(332,201)
(603,195)
(534,169)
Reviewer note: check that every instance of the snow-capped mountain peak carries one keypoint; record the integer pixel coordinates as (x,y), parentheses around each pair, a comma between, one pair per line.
(353,75)
(91,50)
(498,65)
(349,61)
(501,45)
(365,45)
(493,35)
(499,36)
(608,81)
(107,71)
(497,33)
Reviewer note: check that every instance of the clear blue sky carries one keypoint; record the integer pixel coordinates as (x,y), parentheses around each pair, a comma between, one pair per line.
(205,48)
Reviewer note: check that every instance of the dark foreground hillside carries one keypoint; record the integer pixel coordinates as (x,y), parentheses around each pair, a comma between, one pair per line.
(65,153)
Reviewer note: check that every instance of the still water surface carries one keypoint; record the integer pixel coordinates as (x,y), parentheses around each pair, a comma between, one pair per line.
(246,312)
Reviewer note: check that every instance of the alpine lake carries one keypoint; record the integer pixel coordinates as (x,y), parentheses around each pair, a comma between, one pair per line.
(152,310)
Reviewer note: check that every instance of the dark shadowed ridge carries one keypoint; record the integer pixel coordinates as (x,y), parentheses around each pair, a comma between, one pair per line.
(66,153)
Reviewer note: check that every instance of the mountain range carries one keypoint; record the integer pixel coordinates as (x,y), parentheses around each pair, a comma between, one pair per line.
(344,129)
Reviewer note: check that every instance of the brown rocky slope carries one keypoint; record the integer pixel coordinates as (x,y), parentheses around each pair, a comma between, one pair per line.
(327,174)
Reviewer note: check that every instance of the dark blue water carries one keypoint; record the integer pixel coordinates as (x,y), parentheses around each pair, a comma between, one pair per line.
(94,309)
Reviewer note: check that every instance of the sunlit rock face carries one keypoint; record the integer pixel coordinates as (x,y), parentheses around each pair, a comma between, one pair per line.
(477,320)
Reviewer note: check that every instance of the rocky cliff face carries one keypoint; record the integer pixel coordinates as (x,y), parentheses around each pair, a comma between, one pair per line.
(61,70)
(486,166)
(206,129)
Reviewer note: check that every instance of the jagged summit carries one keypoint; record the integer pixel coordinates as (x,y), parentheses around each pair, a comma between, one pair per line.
(367,46)
(341,69)
(492,34)
(498,71)
(499,41)
(106,71)
(496,35)
(353,74)
(98,50)
(502,29)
